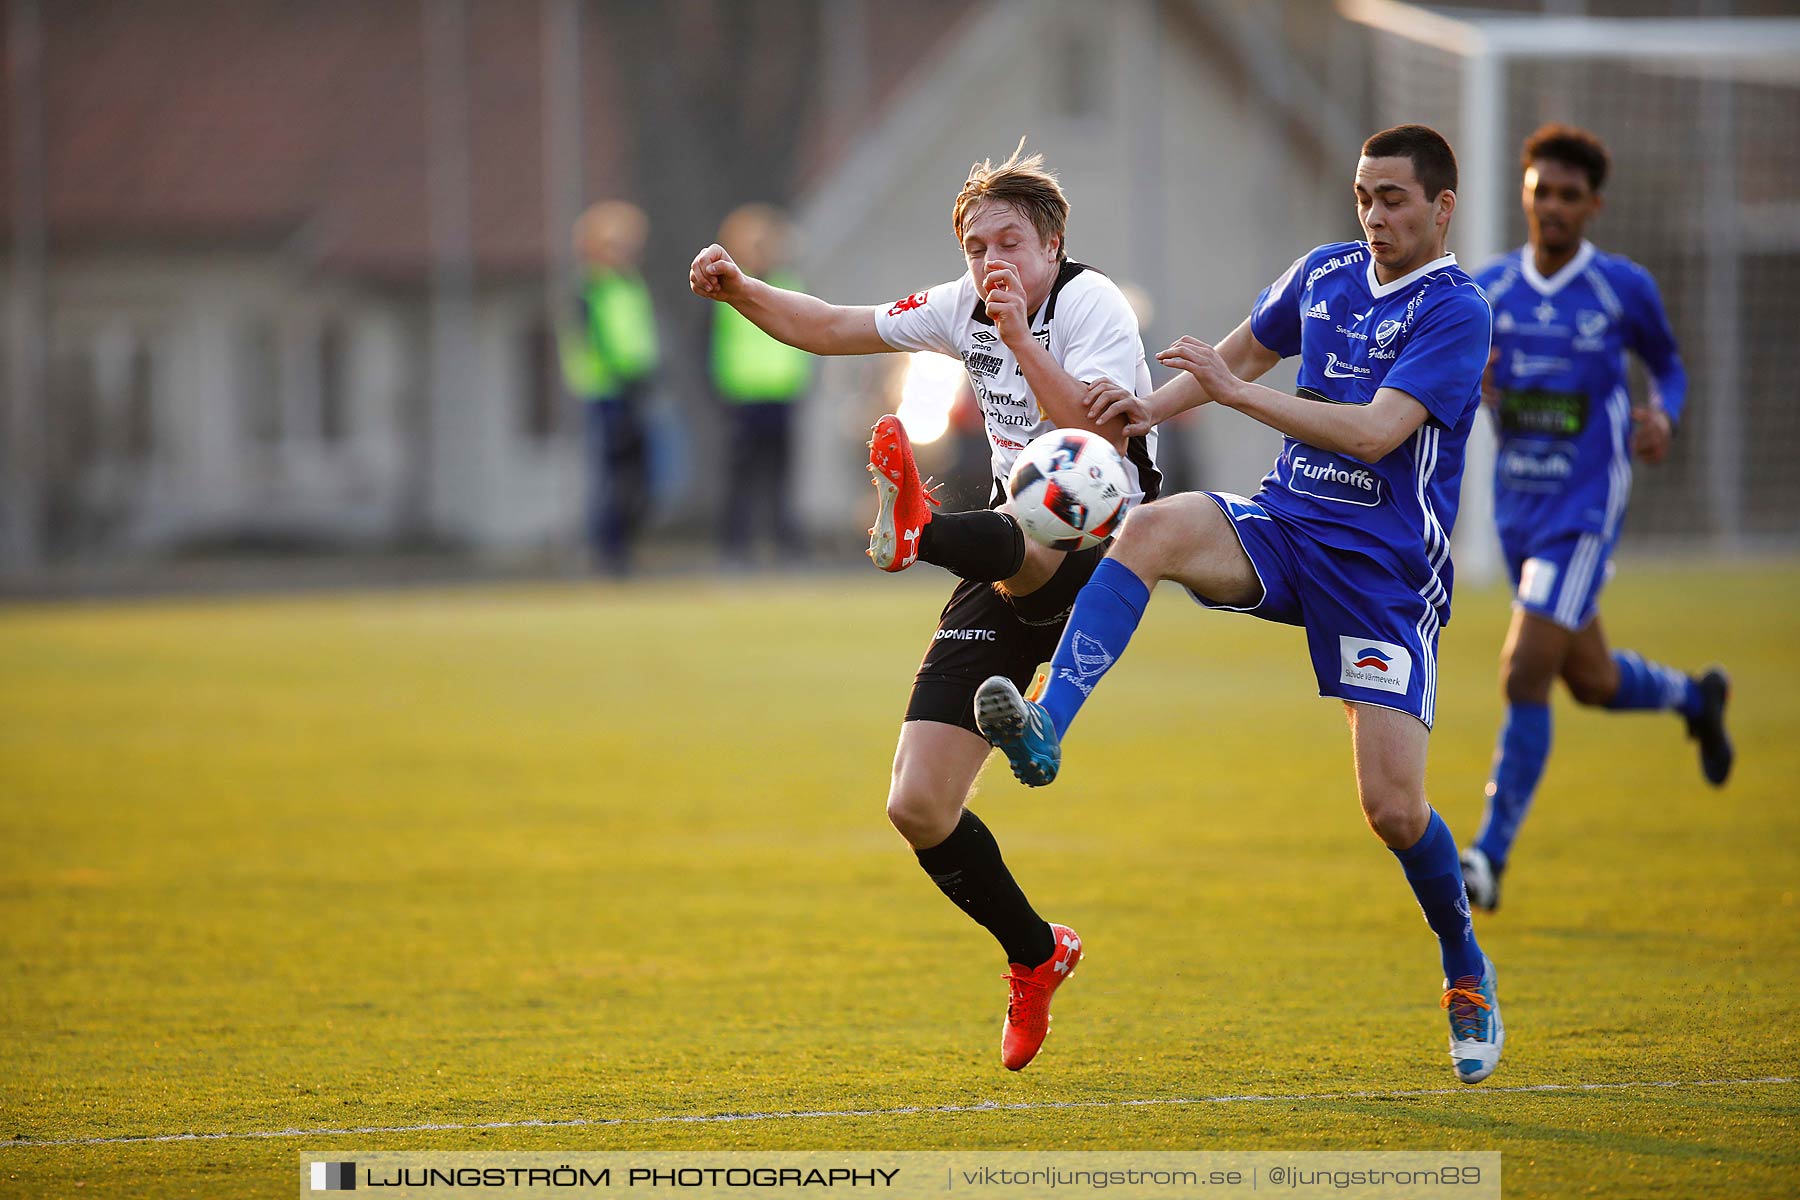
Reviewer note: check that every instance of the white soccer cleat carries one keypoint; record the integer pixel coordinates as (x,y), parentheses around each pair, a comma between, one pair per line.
(1481,880)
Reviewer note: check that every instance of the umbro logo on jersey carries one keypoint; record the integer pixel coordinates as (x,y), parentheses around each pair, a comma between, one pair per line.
(984,337)
(1320,311)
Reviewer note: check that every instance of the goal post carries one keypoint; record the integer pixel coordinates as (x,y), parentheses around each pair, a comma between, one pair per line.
(1702,117)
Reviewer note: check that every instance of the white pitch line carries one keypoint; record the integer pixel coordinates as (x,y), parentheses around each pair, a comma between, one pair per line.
(935,1110)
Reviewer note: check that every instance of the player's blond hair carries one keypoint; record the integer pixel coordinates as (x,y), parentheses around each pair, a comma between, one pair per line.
(1025,184)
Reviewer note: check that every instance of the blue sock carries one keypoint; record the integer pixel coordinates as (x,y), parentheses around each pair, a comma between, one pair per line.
(1106,614)
(1437,881)
(1649,685)
(1518,765)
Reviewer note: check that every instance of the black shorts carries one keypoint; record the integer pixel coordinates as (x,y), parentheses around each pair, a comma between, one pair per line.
(983,631)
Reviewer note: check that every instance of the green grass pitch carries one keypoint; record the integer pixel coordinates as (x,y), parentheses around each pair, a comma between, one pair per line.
(618,853)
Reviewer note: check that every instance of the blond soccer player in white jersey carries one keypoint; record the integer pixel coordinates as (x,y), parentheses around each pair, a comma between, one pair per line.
(1038,333)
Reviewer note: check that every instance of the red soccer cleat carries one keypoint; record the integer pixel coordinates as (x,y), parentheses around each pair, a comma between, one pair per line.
(1028,1010)
(906,503)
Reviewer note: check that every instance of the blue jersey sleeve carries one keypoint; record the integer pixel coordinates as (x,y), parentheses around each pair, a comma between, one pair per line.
(1445,354)
(1649,335)
(1275,321)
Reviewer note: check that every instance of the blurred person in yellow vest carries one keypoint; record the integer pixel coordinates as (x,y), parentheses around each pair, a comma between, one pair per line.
(758,379)
(609,359)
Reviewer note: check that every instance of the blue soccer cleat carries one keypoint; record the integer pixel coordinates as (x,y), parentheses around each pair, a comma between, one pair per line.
(1019,727)
(1476,1031)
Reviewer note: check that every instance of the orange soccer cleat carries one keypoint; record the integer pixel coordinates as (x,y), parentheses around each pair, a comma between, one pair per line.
(1028,1008)
(906,503)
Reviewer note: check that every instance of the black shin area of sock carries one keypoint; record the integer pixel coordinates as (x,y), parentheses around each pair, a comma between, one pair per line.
(967,867)
(985,546)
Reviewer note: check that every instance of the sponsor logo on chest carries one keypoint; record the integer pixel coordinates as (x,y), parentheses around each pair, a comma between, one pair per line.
(1324,477)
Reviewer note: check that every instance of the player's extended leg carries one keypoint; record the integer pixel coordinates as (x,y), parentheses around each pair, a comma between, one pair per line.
(1624,681)
(1534,654)
(935,765)
(985,546)
(1389,748)
(1187,538)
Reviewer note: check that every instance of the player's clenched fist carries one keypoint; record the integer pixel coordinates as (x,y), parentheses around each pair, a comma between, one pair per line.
(714,275)
(1005,299)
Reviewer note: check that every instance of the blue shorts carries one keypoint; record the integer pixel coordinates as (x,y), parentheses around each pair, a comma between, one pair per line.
(1559,579)
(1373,639)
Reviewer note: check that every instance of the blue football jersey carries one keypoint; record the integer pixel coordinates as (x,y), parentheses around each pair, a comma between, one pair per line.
(1564,413)
(1425,334)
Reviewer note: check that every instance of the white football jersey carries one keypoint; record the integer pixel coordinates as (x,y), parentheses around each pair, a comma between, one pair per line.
(1087,325)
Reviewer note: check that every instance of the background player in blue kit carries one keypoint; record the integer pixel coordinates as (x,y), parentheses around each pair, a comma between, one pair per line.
(1564,316)
(1349,534)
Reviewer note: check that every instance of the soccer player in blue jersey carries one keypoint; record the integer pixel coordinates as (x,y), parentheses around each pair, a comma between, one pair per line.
(1349,536)
(1564,316)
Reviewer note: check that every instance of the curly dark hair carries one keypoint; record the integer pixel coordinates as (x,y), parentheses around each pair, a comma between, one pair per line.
(1570,146)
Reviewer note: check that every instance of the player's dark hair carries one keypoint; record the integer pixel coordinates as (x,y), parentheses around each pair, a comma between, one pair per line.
(1023,182)
(1570,146)
(1432,159)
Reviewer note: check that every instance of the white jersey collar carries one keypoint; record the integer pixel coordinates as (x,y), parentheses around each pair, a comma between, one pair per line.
(1380,290)
(1560,280)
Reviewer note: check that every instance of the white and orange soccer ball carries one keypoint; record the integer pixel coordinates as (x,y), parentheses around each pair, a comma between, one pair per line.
(1069,489)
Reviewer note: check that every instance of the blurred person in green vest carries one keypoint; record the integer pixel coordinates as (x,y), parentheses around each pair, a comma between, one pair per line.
(758,379)
(609,358)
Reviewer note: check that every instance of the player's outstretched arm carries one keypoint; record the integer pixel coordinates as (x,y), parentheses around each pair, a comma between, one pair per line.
(1246,358)
(802,321)
(1364,431)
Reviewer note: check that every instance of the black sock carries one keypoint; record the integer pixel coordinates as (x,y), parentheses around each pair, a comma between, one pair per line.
(967,867)
(985,546)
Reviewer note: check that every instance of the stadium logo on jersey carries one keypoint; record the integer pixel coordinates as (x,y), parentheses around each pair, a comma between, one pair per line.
(1366,663)
(1330,481)
(1362,316)
(1384,332)
(1319,311)
(1337,368)
(1589,323)
(1091,661)
(916,300)
(1326,268)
